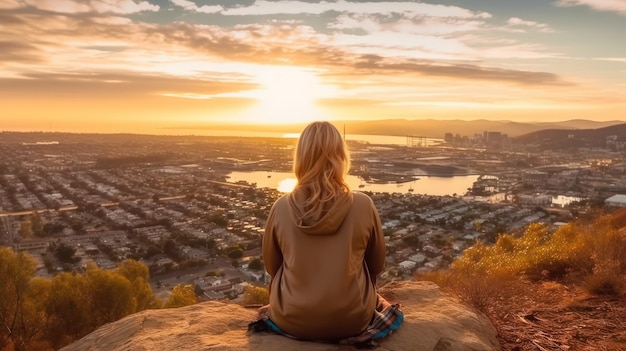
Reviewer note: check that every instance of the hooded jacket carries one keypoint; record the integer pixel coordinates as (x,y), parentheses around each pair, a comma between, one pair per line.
(323,267)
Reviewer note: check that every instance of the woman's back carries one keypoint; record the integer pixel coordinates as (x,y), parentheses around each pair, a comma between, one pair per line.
(322,267)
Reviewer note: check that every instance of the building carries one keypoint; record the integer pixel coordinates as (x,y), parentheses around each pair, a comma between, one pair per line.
(616,201)
(34,246)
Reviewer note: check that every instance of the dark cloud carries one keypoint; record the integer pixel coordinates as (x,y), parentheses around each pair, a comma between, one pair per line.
(374,63)
(12,51)
(8,18)
(114,85)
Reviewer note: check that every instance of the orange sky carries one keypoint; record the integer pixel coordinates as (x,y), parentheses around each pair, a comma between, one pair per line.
(145,65)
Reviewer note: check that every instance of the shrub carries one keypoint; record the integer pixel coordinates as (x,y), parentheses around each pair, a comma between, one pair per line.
(605,279)
(474,287)
(181,295)
(593,252)
(255,295)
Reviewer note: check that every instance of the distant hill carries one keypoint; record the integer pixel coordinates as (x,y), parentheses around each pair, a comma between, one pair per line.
(562,138)
(438,128)
(430,128)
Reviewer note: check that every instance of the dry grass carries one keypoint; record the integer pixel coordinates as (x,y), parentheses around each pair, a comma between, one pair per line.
(555,317)
(543,290)
(255,296)
(592,253)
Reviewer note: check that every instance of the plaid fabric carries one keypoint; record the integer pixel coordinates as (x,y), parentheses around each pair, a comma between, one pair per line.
(387,318)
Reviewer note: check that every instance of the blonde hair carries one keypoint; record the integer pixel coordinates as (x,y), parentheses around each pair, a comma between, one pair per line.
(321,162)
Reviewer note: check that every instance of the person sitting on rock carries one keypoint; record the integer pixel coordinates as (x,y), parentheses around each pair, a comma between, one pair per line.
(324,248)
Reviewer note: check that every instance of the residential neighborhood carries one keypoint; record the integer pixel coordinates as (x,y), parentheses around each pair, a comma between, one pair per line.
(74,200)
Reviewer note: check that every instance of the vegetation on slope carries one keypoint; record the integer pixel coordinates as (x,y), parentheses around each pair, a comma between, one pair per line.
(549,290)
(592,254)
(47,314)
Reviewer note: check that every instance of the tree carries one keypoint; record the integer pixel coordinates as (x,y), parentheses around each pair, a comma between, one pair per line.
(68,310)
(256,264)
(36,224)
(26,229)
(235,253)
(16,272)
(32,325)
(111,296)
(50,229)
(171,249)
(133,270)
(152,251)
(47,314)
(182,295)
(139,276)
(66,254)
(77,225)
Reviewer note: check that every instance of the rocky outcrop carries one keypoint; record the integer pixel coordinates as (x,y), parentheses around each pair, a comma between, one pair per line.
(434,321)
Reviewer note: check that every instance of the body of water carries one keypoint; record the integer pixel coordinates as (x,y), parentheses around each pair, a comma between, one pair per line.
(393,140)
(425,185)
(363,138)
(439,186)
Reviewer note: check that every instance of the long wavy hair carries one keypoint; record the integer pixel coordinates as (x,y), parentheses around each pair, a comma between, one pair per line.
(321,163)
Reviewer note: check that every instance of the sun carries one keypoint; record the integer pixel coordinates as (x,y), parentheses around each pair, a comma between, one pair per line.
(287,95)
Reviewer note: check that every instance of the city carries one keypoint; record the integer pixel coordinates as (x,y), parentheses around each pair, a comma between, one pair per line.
(74,200)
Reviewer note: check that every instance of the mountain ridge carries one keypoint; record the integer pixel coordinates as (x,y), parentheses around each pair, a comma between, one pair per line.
(563,138)
(430,128)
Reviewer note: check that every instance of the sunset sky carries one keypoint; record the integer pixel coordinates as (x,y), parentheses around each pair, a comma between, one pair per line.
(148,65)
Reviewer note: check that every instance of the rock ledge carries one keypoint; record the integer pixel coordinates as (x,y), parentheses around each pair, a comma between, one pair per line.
(433,322)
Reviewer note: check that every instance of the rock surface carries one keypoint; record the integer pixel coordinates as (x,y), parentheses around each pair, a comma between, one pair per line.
(433,322)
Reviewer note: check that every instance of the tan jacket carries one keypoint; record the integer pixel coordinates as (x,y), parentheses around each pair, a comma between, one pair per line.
(323,269)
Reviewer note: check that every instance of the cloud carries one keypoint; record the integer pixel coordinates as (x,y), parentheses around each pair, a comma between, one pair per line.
(59,6)
(123,7)
(115,85)
(618,6)
(519,25)
(19,52)
(405,23)
(408,34)
(10,4)
(517,51)
(183,53)
(613,59)
(260,8)
(460,71)
(192,6)
(434,38)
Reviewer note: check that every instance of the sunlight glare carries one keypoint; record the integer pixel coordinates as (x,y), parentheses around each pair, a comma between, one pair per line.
(287,185)
(287,95)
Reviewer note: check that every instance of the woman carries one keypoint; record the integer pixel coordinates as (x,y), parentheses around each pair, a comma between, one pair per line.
(323,246)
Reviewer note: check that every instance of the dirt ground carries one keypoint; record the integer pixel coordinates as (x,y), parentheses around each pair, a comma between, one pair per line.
(549,316)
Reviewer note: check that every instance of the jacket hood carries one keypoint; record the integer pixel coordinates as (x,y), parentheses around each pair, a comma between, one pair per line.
(327,221)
